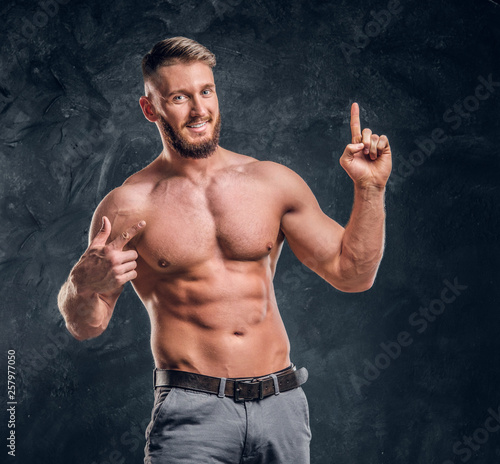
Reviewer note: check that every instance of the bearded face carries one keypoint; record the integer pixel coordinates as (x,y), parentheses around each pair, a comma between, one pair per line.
(192,149)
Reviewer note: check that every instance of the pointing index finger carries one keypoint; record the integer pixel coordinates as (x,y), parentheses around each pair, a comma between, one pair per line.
(125,237)
(355,124)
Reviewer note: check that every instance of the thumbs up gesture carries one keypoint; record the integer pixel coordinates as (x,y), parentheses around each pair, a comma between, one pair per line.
(106,268)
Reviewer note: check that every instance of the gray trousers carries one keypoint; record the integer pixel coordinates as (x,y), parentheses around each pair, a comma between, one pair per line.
(190,427)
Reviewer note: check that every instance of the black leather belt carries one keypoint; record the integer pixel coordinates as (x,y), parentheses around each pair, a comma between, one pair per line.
(239,389)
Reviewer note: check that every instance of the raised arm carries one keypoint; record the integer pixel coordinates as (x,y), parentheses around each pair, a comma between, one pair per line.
(87,299)
(348,258)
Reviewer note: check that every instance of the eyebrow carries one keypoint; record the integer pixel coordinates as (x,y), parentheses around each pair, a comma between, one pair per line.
(209,85)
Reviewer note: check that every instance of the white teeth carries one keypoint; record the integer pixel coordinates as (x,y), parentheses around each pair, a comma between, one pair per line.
(199,125)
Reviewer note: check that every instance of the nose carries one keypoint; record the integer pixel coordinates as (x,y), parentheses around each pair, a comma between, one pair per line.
(198,108)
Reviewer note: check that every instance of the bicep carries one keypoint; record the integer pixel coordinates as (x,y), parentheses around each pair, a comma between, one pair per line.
(314,237)
(110,206)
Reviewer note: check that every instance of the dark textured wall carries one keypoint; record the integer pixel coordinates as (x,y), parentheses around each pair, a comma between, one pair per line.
(403,373)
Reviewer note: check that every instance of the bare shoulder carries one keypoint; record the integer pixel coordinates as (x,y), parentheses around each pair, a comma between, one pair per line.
(124,206)
(284,181)
(278,171)
(266,169)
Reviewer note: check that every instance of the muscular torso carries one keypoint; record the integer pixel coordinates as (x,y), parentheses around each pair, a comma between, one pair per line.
(206,263)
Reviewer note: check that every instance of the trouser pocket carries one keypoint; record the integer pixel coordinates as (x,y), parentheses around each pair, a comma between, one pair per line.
(163,396)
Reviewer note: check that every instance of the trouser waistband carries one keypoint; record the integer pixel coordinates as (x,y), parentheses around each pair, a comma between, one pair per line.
(241,389)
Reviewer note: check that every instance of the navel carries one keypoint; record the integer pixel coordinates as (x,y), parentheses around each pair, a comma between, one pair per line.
(238,334)
(163,263)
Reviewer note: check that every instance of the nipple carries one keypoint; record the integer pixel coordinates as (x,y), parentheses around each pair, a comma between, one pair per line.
(269,246)
(163,263)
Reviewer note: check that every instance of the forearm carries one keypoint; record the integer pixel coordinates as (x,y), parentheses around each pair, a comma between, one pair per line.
(85,312)
(363,240)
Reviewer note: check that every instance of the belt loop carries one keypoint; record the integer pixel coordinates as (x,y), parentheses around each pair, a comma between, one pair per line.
(222,388)
(276,384)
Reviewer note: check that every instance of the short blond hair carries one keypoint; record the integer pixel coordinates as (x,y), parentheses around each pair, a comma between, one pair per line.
(174,50)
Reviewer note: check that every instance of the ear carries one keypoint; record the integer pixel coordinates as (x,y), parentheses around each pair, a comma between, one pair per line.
(148,109)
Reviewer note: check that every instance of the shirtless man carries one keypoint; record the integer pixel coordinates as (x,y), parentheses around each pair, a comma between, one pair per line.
(198,233)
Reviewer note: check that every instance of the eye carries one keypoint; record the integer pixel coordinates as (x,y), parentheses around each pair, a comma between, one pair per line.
(179,98)
(206,92)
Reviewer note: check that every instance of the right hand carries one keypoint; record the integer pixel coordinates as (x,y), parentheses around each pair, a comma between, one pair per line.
(106,268)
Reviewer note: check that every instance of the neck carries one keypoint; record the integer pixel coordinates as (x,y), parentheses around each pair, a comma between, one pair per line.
(194,169)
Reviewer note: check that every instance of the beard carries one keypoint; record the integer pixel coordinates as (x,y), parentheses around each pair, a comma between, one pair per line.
(184,147)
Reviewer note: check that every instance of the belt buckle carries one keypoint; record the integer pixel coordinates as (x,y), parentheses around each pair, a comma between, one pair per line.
(237,390)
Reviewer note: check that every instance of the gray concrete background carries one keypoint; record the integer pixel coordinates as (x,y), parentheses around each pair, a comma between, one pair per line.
(403,373)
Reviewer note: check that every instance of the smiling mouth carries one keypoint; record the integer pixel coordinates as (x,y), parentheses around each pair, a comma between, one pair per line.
(200,124)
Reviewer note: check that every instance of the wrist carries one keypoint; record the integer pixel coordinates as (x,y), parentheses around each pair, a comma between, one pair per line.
(367,190)
(78,288)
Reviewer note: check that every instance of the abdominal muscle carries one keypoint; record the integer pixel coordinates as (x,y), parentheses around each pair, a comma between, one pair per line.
(221,322)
